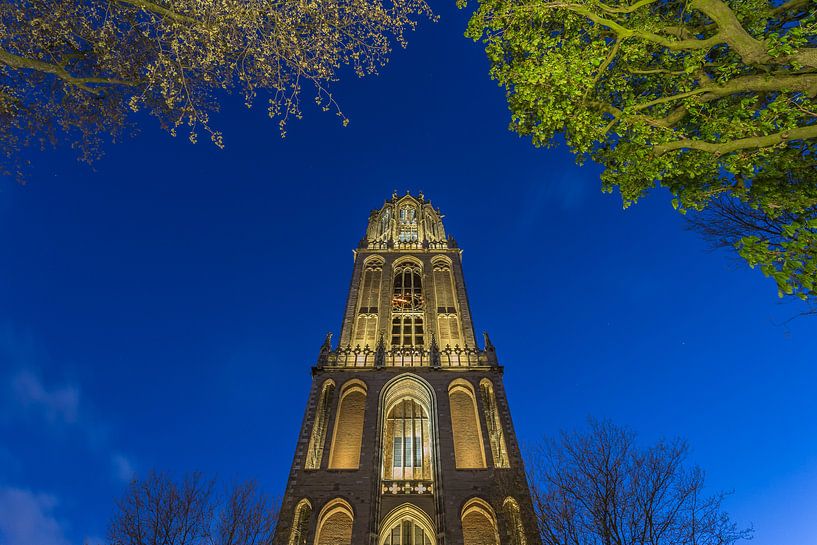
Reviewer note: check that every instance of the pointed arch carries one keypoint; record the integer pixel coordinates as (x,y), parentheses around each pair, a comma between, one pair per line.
(495,434)
(299,531)
(469,452)
(335,523)
(479,523)
(366,322)
(517,531)
(319,424)
(407,408)
(406,524)
(448,323)
(348,434)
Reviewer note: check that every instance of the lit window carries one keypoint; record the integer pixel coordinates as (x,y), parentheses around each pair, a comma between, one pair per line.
(407,225)
(407,532)
(407,427)
(300,523)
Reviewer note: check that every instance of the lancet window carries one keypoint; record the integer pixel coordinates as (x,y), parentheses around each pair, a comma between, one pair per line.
(407,230)
(298,534)
(407,525)
(448,324)
(517,531)
(407,532)
(408,305)
(369,299)
(320,422)
(407,428)
(495,434)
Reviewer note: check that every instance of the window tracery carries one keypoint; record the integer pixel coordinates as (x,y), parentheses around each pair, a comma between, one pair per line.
(407,230)
(408,306)
(511,509)
(369,300)
(298,534)
(319,425)
(407,525)
(448,324)
(495,434)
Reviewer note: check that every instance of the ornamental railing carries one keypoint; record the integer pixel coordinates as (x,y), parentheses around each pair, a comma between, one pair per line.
(404,488)
(355,356)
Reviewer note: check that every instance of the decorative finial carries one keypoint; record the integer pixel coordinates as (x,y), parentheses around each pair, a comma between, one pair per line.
(326,348)
(380,352)
(488,344)
(394,194)
(434,353)
(421,196)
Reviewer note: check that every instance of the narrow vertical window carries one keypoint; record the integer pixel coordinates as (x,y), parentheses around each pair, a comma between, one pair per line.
(298,534)
(407,431)
(495,434)
(319,425)
(479,524)
(468,450)
(335,524)
(408,306)
(516,529)
(348,434)
(369,299)
(448,325)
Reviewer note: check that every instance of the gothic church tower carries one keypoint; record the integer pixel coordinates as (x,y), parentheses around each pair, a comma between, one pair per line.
(407,437)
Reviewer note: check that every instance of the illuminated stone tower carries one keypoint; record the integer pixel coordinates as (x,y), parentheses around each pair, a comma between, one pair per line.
(407,437)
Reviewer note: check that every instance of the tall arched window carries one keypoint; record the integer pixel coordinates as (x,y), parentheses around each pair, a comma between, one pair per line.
(479,524)
(299,532)
(517,531)
(335,524)
(407,224)
(468,450)
(407,433)
(369,299)
(408,306)
(319,424)
(407,525)
(348,434)
(495,434)
(448,324)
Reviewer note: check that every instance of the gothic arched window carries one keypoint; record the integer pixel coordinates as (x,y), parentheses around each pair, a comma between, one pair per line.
(369,300)
(407,306)
(407,224)
(407,525)
(335,524)
(468,451)
(348,434)
(298,534)
(495,434)
(319,424)
(479,524)
(448,325)
(407,431)
(517,531)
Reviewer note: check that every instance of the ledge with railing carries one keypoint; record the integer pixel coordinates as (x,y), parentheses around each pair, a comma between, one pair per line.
(380,356)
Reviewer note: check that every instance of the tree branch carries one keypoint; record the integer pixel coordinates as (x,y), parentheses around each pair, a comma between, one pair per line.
(24,63)
(798,133)
(156,8)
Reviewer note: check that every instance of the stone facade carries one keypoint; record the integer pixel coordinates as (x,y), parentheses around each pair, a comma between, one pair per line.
(406,488)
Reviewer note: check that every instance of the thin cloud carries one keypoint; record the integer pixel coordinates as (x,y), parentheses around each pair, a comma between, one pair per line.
(122,468)
(26,518)
(59,404)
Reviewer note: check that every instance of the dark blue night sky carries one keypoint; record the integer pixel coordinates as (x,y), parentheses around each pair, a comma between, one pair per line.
(163,310)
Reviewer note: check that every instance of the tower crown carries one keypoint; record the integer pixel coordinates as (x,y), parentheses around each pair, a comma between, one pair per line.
(407,223)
